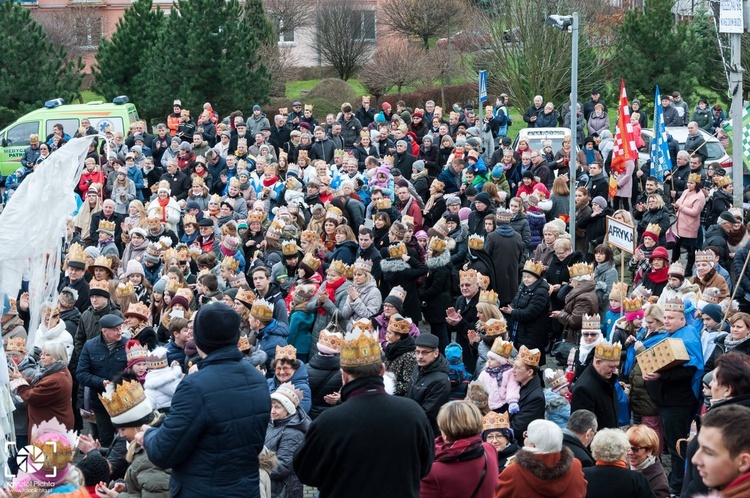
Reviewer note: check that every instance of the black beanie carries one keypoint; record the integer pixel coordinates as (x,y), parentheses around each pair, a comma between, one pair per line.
(216,326)
(396,302)
(94,468)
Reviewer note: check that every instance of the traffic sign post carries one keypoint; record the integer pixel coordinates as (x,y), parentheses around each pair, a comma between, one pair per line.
(482,90)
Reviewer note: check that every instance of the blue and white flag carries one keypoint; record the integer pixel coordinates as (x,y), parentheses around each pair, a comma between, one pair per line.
(660,160)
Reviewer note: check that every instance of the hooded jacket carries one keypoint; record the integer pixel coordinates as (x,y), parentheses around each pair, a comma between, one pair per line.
(459,467)
(284,437)
(545,475)
(430,387)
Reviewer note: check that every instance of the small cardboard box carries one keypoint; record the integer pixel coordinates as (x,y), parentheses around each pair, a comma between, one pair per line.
(664,355)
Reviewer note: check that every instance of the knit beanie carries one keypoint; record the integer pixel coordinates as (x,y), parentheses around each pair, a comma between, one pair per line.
(181,301)
(714,311)
(395,302)
(484,198)
(160,285)
(95,469)
(216,326)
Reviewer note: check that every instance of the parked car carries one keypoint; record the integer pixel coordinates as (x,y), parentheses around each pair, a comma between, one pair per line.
(468,40)
(714,149)
(535,136)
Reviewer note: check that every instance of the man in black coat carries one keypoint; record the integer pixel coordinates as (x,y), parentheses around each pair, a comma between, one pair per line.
(595,388)
(462,317)
(107,213)
(505,247)
(280,133)
(357,436)
(430,384)
(403,160)
(582,427)
(531,401)
(598,184)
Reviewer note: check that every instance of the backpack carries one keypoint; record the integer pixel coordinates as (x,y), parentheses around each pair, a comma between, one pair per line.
(457,373)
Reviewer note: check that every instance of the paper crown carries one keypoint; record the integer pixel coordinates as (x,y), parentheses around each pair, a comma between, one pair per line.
(706,256)
(468,276)
(723,181)
(339,267)
(262,310)
(215,199)
(397,250)
(308,107)
(172,286)
(198,181)
(124,290)
(438,185)
(529,357)
(477,394)
(580,270)
(383,203)
(476,242)
(334,213)
(677,269)
(276,229)
(674,304)
(440,228)
(694,177)
(230,263)
(387,160)
(243,344)
(494,327)
(607,351)
(619,291)
(437,244)
(364,324)
(164,185)
(153,222)
(77,255)
(333,340)
(712,295)
(99,285)
(555,379)
(399,325)
(254,217)
(495,421)
(503,216)
(654,228)
(364,133)
(407,220)
(126,397)
(302,155)
(17,344)
(283,111)
(489,297)
(287,352)
(289,248)
(363,264)
(101,262)
(246,297)
(591,322)
(339,153)
(360,348)
(398,292)
(157,358)
(311,261)
(189,219)
(484,281)
(106,226)
(533,267)
(632,305)
(308,236)
(170,255)
(56,443)
(135,351)
(502,348)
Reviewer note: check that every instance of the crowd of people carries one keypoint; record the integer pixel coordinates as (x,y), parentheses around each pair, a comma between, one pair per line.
(250,305)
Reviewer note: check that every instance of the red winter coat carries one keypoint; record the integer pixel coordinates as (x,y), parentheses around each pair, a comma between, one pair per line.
(543,475)
(455,474)
(87,179)
(50,398)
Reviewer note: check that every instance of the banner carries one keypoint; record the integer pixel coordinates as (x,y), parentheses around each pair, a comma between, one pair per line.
(661,162)
(624,149)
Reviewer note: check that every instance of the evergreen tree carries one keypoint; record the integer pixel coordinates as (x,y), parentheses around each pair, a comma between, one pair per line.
(213,57)
(120,60)
(32,70)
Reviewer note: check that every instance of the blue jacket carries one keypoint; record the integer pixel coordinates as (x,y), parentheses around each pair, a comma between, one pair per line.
(215,429)
(175,353)
(272,335)
(97,364)
(451,181)
(135,176)
(301,381)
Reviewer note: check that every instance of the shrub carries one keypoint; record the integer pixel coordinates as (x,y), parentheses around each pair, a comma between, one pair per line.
(333,90)
(465,94)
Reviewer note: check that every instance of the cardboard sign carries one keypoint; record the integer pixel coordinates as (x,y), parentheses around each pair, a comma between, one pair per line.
(621,235)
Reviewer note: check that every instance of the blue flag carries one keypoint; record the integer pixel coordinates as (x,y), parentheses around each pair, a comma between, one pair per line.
(660,160)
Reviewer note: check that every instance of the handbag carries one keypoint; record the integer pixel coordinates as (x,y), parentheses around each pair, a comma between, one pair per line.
(333,326)
(671,236)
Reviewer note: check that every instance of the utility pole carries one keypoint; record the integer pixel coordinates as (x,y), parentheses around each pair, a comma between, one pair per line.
(731,21)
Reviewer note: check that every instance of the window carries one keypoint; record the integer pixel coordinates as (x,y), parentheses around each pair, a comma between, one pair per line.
(363,25)
(70,125)
(19,134)
(89,31)
(286,32)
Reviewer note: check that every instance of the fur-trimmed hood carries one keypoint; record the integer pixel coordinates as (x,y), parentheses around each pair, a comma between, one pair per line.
(156,379)
(440,260)
(547,474)
(267,460)
(393,265)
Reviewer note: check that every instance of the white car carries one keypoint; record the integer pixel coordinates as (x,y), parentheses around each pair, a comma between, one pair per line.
(714,149)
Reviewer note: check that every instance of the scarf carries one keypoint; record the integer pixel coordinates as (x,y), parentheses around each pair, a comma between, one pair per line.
(590,155)
(507,166)
(730,344)
(46,371)
(331,289)
(659,276)
(497,373)
(399,348)
(618,463)
(585,349)
(267,182)
(104,243)
(163,204)
(648,462)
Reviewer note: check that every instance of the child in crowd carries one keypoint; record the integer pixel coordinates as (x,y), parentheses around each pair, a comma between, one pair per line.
(498,378)
(556,397)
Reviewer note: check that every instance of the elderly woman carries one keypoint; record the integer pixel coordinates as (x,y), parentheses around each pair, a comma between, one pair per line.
(287,368)
(546,250)
(363,296)
(591,336)
(497,432)
(739,335)
(47,394)
(331,297)
(610,477)
(400,358)
(655,279)
(463,463)
(53,330)
(706,275)
(643,457)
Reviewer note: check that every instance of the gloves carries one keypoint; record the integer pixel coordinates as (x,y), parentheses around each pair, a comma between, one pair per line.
(513,408)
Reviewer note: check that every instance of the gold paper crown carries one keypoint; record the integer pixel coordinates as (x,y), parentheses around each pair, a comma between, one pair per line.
(164,185)
(16,344)
(502,348)
(183,251)
(254,217)
(494,421)
(503,216)
(262,310)
(215,199)
(243,344)
(124,290)
(102,262)
(694,177)
(333,340)
(712,295)
(397,250)
(495,326)
(76,254)
(533,267)
(591,322)
(308,236)
(289,248)
(360,348)
(489,297)
(135,351)
(189,219)
(364,133)
(529,357)
(127,395)
(477,393)
(170,255)
(153,221)
(308,107)
(234,182)
(555,379)
(383,203)
(139,309)
(364,324)
(363,264)
(399,324)
(198,181)
(102,285)
(468,276)
(311,262)
(302,155)
(608,352)
(56,444)
(172,286)
(339,153)
(185,292)
(287,352)
(245,296)
(476,242)
(338,266)
(580,270)
(634,304)
(619,291)
(387,160)
(437,244)
(676,268)
(484,281)
(230,263)
(654,228)
(674,304)
(398,292)
(108,226)
(723,181)
(706,256)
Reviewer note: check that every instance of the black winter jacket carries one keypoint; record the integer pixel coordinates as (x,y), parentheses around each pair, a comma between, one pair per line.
(430,387)
(324,377)
(529,318)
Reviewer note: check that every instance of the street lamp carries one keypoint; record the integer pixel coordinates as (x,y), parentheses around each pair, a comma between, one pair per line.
(570,25)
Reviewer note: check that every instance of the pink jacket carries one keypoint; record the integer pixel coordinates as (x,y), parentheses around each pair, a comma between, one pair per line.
(625,181)
(509,390)
(689,213)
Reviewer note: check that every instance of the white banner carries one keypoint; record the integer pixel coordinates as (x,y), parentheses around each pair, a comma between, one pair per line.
(621,235)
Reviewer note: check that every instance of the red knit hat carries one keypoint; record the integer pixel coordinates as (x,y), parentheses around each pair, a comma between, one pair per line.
(659,252)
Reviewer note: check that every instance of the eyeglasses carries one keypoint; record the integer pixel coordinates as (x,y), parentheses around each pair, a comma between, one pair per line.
(589,334)
(636,449)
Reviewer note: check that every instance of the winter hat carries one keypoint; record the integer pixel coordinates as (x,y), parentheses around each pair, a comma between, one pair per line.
(186,146)
(528,174)
(450,201)
(383,170)
(484,198)
(428,137)
(600,201)
(192,205)
(258,358)
(216,326)
(92,252)
(176,139)
(396,298)
(133,268)
(474,141)
(287,396)
(714,311)
(418,165)
(452,217)
(659,252)
(727,216)
(95,469)
(181,300)
(160,285)
(427,341)
(421,235)
(497,172)
(464,213)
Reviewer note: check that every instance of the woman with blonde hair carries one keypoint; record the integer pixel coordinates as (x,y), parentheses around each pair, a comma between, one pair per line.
(136,216)
(560,198)
(643,457)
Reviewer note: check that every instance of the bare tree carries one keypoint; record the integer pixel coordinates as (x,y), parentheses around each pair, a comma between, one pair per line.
(279,60)
(345,36)
(527,58)
(422,19)
(394,63)
(77,28)
(290,14)
(440,66)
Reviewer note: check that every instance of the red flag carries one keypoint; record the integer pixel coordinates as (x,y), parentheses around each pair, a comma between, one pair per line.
(624,148)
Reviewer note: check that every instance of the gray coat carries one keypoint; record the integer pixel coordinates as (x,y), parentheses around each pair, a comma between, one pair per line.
(321,320)
(284,437)
(365,306)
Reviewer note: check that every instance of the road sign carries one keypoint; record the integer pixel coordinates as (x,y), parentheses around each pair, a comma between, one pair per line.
(482,86)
